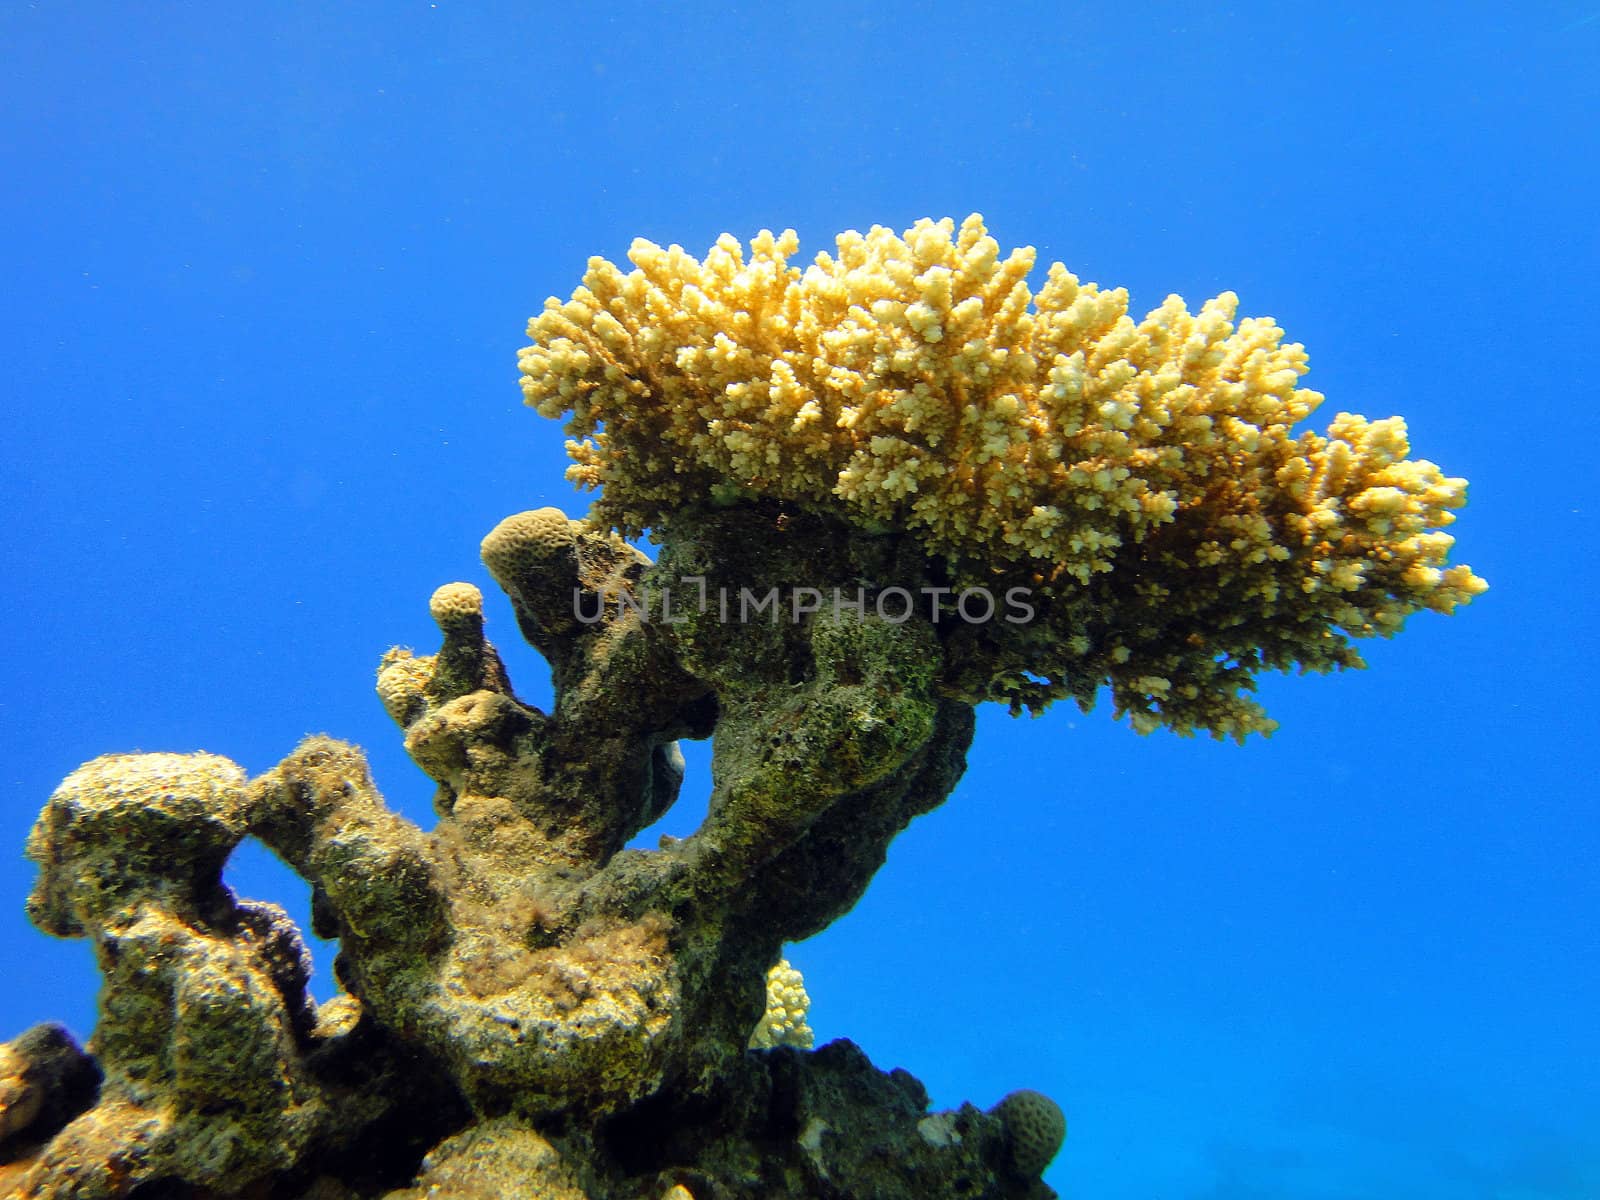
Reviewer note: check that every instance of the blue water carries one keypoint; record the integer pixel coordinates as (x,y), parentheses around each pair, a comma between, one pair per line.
(265,271)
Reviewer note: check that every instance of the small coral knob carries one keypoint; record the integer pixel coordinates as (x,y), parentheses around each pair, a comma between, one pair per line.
(1035,1127)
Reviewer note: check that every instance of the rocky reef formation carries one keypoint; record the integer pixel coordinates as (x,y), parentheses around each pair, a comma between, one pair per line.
(886,488)
(527,1007)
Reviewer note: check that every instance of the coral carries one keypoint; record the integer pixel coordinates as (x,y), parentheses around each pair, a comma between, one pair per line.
(491,1161)
(1142,480)
(205,1007)
(822,1123)
(527,1005)
(784,1022)
(540,982)
(1035,1129)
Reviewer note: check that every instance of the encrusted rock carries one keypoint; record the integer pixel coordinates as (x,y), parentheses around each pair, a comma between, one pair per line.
(45,1080)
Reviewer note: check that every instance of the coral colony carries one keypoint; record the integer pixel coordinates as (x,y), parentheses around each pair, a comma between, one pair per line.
(939,488)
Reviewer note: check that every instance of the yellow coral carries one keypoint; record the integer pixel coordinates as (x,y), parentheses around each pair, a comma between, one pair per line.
(784,1022)
(403,684)
(521,542)
(457,604)
(914,381)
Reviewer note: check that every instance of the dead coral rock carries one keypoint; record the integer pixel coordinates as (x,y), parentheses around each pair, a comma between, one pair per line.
(588,1022)
(492,1161)
(204,1005)
(128,828)
(517,974)
(798,1125)
(45,1080)
(868,1132)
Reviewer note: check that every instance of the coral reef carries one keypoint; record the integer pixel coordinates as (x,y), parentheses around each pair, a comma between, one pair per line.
(528,1006)
(1141,480)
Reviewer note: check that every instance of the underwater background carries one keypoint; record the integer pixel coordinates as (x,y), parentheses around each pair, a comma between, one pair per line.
(265,271)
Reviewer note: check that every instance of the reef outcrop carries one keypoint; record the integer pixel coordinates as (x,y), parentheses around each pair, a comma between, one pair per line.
(852,556)
(522,997)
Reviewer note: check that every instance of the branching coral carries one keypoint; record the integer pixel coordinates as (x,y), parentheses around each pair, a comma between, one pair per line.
(1143,480)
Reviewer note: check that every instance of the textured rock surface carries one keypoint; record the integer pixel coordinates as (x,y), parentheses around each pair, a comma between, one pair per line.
(527,1007)
(45,1080)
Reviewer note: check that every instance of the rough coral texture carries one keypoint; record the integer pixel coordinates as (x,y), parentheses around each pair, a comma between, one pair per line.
(527,1005)
(784,1023)
(1142,479)
(45,1080)
(1035,1128)
(218,1069)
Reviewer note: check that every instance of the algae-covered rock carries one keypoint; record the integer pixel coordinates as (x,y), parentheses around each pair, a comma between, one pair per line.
(45,1080)
(526,1007)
